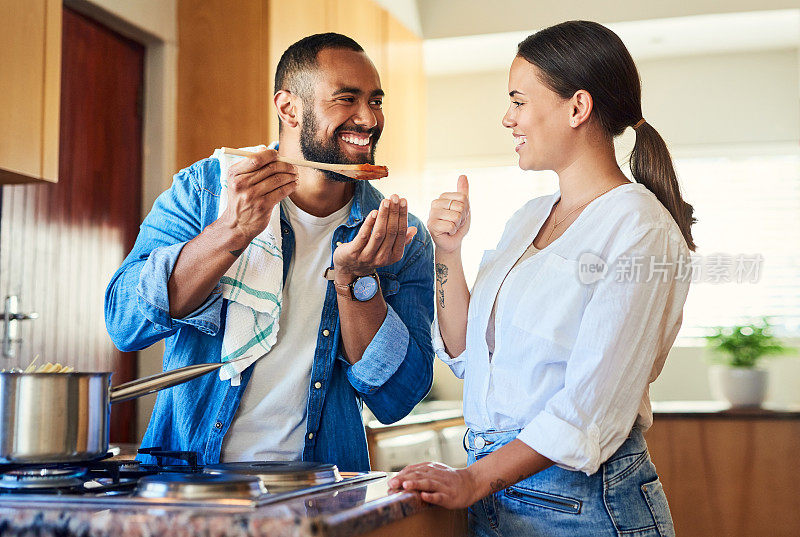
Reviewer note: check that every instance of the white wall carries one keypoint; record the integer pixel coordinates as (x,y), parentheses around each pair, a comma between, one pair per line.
(723,99)
(718,101)
(692,101)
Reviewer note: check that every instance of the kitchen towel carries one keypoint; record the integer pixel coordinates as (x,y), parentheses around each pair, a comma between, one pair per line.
(253,286)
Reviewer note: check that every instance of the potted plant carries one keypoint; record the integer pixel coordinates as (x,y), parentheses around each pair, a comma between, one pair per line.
(738,350)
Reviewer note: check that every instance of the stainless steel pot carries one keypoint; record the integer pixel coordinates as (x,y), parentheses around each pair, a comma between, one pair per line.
(64,417)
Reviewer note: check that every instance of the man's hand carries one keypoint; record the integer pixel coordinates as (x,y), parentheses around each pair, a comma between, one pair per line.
(255,185)
(449,218)
(437,483)
(380,241)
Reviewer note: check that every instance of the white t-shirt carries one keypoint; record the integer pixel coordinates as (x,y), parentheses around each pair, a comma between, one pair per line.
(270,423)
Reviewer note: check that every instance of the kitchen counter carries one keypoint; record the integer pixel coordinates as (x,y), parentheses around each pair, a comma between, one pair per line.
(722,410)
(362,509)
(728,471)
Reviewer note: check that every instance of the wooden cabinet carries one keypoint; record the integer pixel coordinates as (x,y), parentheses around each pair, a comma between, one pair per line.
(364,21)
(287,22)
(224,95)
(731,474)
(227,67)
(30,81)
(402,145)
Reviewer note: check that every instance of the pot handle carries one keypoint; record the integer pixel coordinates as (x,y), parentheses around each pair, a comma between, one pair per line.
(159,381)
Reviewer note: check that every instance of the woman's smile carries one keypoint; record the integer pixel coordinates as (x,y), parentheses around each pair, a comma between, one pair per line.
(520,140)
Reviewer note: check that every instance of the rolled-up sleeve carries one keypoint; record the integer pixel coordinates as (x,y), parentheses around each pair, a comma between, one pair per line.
(456,364)
(137,301)
(396,371)
(154,295)
(382,357)
(615,356)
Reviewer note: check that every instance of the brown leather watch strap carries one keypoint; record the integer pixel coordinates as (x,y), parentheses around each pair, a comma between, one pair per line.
(343,290)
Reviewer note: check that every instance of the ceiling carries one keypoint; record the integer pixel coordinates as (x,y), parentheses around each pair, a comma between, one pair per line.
(455,18)
(653,38)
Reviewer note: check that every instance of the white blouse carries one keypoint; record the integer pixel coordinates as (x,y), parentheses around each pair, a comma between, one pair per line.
(582,327)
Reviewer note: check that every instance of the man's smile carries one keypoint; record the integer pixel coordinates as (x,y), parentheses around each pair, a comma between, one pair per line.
(356,141)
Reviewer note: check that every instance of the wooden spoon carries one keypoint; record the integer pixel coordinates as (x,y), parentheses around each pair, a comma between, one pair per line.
(365,172)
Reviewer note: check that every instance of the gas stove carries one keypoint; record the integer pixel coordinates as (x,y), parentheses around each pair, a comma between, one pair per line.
(241,485)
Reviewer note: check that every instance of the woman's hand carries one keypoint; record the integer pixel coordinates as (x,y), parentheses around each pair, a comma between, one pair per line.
(449,219)
(439,484)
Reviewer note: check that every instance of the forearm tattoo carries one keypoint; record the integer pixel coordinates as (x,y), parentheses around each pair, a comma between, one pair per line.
(441,279)
(498,485)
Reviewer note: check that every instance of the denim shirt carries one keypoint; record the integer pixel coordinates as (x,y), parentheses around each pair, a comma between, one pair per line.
(393,375)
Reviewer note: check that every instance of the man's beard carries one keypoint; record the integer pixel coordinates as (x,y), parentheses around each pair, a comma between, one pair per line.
(328,150)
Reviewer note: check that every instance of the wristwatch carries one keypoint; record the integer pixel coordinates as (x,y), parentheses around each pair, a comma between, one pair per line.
(363,288)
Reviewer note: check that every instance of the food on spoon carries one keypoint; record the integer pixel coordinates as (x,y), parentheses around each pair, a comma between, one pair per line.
(374,171)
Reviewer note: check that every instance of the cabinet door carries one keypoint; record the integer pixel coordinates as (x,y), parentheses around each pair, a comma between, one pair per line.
(287,23)
(224,96)
(30,78)
(365,21)
(402,144)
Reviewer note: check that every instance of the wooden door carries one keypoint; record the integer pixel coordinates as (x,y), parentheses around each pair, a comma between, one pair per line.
(60,243)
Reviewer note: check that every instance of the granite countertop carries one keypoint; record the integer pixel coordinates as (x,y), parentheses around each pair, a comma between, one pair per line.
(343,512)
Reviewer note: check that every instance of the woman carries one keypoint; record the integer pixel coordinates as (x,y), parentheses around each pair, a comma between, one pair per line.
(572,316)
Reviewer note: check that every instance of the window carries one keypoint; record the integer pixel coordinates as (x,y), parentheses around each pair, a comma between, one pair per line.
(748,211)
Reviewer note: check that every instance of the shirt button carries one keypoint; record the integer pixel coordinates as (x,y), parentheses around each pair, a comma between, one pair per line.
(480,443)
(326,332)
(318,385)
(218,425)
(310,436)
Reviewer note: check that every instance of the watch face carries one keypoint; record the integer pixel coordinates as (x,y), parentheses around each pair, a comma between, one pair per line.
(365,288)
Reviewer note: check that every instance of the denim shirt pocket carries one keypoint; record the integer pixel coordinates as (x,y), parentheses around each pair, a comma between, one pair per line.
(389,283)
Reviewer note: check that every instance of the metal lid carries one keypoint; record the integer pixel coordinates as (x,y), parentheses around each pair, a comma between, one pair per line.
(281,475)
(200,486)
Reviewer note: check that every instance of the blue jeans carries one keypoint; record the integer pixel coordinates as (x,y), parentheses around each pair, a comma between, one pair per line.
(623,498)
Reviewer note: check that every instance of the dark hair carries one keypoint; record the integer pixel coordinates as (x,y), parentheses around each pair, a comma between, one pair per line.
(302,57)
(583,55)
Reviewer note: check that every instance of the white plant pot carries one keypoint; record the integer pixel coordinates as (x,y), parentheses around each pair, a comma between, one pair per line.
(740,386)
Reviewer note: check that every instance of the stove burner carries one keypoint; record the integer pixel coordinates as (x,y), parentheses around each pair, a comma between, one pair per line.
(200,487)
(159,454)
(42,478)
(130,466)
(279,476)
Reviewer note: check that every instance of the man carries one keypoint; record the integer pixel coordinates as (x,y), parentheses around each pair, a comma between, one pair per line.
(339,342)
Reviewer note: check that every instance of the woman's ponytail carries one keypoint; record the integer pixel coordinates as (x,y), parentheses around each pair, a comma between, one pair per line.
(585,55)
(651,165)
